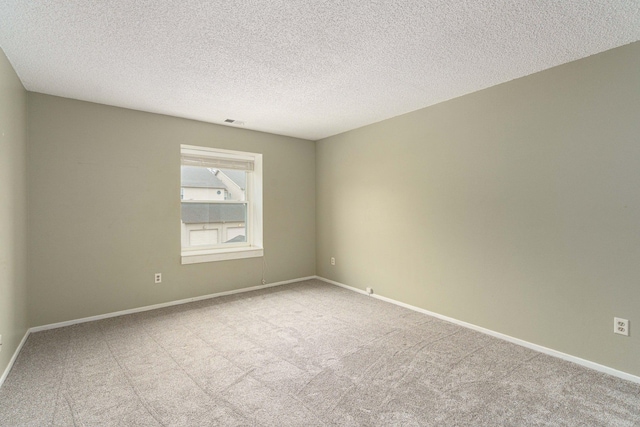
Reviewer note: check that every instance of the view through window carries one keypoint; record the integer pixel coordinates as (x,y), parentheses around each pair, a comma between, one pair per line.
(214,206)
(218,201)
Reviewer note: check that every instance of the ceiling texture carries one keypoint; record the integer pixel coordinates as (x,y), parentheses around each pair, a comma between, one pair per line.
(309,69)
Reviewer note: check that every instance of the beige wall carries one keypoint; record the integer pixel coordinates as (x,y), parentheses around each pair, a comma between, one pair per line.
(104,209)
(13,211)
(518,208)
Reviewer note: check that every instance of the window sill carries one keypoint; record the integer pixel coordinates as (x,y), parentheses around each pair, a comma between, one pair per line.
(195,257)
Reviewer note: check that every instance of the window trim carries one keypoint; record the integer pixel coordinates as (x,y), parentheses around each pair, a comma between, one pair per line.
(254,245)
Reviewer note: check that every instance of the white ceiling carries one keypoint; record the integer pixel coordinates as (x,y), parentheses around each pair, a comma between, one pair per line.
(309,69)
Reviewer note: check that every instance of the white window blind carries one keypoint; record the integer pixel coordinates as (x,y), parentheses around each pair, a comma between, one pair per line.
(217,162)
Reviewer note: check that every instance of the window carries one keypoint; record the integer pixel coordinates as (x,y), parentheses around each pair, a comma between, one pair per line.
(221,204)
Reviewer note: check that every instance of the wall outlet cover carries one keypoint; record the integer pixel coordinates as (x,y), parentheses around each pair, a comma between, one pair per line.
(621,326)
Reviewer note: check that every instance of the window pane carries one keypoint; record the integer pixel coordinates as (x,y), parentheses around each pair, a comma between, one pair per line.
(201,183)
(236,234)
(203,237)
(214,223)
(208,213)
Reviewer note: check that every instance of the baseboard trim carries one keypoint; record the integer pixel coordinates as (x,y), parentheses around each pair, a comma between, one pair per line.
(527,344)
(163,305)
(5,374)
(342,285)
(532,346)
(137,310)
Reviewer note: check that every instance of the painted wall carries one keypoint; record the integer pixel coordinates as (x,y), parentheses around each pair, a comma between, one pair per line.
(104,209)
(517,208)
(13,211)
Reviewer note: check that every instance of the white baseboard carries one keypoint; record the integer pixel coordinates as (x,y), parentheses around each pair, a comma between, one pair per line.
(137,310)
(536,347)
(342,285)
(162,305)
(532,346)
(5,374)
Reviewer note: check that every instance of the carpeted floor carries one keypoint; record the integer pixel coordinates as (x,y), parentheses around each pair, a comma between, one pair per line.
(307,354)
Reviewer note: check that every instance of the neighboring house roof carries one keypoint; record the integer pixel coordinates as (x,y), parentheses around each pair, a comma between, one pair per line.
(239,177)
(194,176)
(199,177)
(197,213)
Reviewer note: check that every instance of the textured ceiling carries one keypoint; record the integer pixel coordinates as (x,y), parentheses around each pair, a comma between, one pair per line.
(309,69)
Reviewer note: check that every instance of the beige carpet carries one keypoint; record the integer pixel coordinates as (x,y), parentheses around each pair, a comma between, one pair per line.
(308,354)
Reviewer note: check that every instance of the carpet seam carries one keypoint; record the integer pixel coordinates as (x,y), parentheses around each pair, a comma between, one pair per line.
(149,410)
(183,370)
(67,350)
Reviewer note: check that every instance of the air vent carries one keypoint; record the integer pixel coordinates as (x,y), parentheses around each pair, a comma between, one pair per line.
(229,121)
(235,122)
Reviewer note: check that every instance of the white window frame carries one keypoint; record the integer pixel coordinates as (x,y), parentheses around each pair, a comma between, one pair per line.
(253,246)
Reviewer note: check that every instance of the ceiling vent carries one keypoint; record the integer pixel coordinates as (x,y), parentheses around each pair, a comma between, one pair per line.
(235,122)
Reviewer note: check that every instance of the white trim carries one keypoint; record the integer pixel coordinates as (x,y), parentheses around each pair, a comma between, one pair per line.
(5,374)
(536,347)
(137,310)
(221,255)
(162,305)
(202,151)
(532,346)
(215,202)
(342,285)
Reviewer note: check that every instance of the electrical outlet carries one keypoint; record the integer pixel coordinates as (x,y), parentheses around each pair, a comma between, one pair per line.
(621,326)
(333,261)
(158,277)
(369,291)
(0,342)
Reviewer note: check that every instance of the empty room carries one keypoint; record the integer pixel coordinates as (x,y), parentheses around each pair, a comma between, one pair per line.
(331,213)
